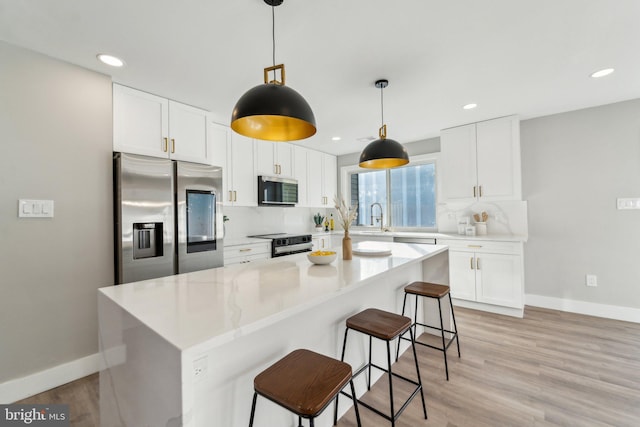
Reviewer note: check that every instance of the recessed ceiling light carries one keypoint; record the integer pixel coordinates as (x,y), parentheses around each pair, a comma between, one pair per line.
(110,60)
(602,73)
(336,138)
(470,106)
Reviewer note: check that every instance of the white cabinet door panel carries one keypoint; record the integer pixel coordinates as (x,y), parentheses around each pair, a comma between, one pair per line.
(188,133)
(458,146)
(498,159)
(462,276)
(499,279)
(140,122)
(243,179)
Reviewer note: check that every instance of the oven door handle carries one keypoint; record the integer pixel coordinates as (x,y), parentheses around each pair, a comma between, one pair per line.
(292,248)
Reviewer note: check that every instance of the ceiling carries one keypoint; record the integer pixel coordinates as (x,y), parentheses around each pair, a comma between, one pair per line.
(526,57)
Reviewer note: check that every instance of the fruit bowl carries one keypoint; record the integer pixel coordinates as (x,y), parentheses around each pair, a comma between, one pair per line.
(321,257)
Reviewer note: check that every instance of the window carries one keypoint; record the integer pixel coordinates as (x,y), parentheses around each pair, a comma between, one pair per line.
(405,196)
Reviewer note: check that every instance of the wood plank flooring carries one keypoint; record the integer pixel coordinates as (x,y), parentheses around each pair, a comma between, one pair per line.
(548,369)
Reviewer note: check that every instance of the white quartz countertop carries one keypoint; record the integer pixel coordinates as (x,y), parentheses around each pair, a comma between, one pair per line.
(437,235)
(216,305)
(245,241)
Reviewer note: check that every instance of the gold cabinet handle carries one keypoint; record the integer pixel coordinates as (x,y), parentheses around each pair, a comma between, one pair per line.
(480,190)
(474,246)
(166,144)
(230,196)
(471,263)
(477,263)
(245,250)
(235,199)
(173,145)
(474,191)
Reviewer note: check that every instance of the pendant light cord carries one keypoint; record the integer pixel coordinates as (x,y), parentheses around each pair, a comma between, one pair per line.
(382,105)
(273,33)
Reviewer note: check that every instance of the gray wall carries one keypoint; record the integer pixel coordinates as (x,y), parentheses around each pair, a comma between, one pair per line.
(574,166)
(56,144)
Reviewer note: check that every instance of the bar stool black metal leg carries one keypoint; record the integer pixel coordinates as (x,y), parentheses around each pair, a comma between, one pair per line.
(253,408)
(299,421)
(344,347)
(415,358)
(369,374)
(355,405)
(444,346)
(455,327)
(310,423)
(404,303)
(393,418)
(415,319)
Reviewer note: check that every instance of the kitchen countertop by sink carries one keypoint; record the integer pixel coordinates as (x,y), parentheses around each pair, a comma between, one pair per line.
(438,235)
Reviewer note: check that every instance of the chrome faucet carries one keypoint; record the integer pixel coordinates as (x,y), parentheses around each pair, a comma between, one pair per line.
(381,216)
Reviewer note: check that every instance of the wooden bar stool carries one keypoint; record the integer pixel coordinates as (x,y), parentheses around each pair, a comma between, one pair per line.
(304,382)
(432,290)
(386,327)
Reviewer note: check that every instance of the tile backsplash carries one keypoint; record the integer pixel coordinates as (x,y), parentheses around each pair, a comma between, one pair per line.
(507,217)
(246,221)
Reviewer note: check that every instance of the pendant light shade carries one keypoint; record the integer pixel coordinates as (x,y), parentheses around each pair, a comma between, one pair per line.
(273,111)
(383,153)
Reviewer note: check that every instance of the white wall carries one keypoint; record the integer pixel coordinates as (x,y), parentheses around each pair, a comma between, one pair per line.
(56,144)
(574,166)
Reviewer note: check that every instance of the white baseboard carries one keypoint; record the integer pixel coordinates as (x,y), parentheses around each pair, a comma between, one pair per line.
(507,311)
(616,312)
(21,388)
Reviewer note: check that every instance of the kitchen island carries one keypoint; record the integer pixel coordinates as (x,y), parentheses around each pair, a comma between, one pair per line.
(183,350)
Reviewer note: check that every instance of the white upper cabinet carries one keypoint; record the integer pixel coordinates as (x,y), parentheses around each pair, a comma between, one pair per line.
(235,154)
(329,178)
(188,134)
(322,180)
(300,155)
(481,161)
(274,158)
(154,126)
(140,122)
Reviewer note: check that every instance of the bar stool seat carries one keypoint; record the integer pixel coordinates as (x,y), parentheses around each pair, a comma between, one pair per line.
(435,291)
(304,382)
(385,326)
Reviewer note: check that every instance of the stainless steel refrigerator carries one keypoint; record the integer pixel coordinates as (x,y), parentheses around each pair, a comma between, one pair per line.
(168,217)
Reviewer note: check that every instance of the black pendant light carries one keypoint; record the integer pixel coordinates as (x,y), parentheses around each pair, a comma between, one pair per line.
(383,153)
(273,111)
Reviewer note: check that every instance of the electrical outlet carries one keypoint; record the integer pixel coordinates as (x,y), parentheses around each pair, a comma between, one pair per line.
(592,280)
(200,368)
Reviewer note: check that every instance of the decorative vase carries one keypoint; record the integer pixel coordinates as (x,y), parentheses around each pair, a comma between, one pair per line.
(347,252)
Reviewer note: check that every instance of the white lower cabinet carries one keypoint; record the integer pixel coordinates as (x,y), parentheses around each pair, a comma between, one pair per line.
(486,272)
(240,254)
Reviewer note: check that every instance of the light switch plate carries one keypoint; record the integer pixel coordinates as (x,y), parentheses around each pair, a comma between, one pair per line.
(30,208)
(628,203)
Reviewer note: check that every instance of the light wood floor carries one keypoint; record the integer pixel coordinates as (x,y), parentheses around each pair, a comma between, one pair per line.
(548,369)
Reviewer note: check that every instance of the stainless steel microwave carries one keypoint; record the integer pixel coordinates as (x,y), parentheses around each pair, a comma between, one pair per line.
(276,191)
